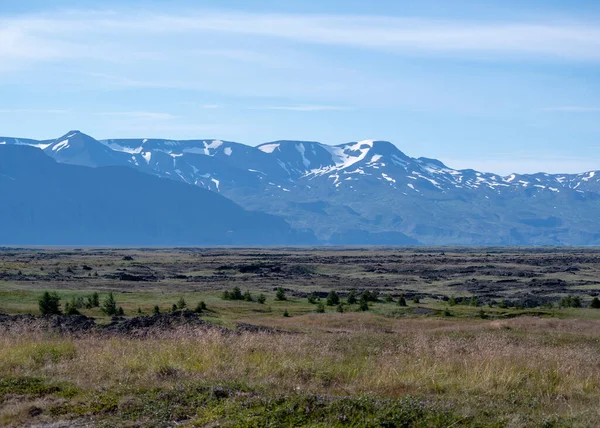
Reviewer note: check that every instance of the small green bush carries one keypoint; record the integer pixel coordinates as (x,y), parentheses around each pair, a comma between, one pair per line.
(156,310)
(181,304)
(261,299)
(595,303)
(320,308)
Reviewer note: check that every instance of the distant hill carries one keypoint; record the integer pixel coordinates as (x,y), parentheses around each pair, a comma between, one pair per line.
(49,203)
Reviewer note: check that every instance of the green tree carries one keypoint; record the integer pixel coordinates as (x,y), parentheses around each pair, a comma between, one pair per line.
(71,307)
(312,298)
(401,300)
(95,299)
(109,305)
(452,301)
(200,307)
(416,300)
(155,310)
(236,294)
(181,304)
(389,298)
(139,311)
(333,298)
(49,304)
(286,313)
(340,308)
(261,299)
(320,308)
(363,304)
(280,295)
(248,296)
(120,311)
(595,303)
(351,298)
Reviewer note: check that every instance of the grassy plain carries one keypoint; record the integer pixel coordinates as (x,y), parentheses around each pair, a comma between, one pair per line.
(427,364)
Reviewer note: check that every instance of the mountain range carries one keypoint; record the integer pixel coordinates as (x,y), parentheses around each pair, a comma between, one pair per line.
(366,192)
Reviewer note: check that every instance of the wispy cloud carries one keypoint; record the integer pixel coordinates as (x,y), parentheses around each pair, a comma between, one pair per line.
(145,115)
(306,108)
(70,34)
(574,109)
(49,111)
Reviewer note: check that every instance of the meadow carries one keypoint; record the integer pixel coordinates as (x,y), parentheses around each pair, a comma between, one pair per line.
(482,340)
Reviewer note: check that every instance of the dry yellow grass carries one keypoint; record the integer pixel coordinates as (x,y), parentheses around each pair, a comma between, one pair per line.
(535,366)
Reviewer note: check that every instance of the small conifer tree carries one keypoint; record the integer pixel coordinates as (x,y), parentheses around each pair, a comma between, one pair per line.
(181,304)
(156,310)
(595,303)
(351,298)
(401,300)
(280,295)
(333,298)
(320,308)
(109,306)
(261,299)
(49,304)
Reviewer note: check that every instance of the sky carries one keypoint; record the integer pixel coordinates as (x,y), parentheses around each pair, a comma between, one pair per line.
(500,86)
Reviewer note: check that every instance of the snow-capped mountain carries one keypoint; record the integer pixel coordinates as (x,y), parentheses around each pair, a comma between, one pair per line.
(361,192)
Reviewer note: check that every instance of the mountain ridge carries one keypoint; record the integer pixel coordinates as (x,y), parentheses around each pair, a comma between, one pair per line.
(363,192)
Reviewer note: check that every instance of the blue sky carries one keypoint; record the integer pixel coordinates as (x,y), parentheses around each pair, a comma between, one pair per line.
(501,86)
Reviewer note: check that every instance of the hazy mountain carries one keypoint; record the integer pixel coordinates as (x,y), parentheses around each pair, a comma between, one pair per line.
(366,192)
(49,203)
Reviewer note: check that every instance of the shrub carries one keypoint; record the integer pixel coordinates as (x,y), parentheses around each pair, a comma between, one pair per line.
(452,301)
(447,313)
(570,302)
(248,297)
(174,308)
(235,294)
(401,300)
(261,299)
(200,307)
(95,299)
(181,303)
(120,311)
(156,310)
(320,308)
(482,314)
(389,298)
(139,311)
(280,295)
(595,303)
(473,301)
(109,306)
(71,307)
(312,298)
(49,304)
(351,298)
(363,305)
(286,313)
(333,298)
(339,308)
(416,299)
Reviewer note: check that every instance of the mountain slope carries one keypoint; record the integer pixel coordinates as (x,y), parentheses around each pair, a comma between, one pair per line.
(369,192)
(48,203)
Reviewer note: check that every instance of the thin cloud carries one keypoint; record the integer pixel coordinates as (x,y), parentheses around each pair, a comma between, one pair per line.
(574,109)
(50,111)
(306,108)
(146,115)
(75,33)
